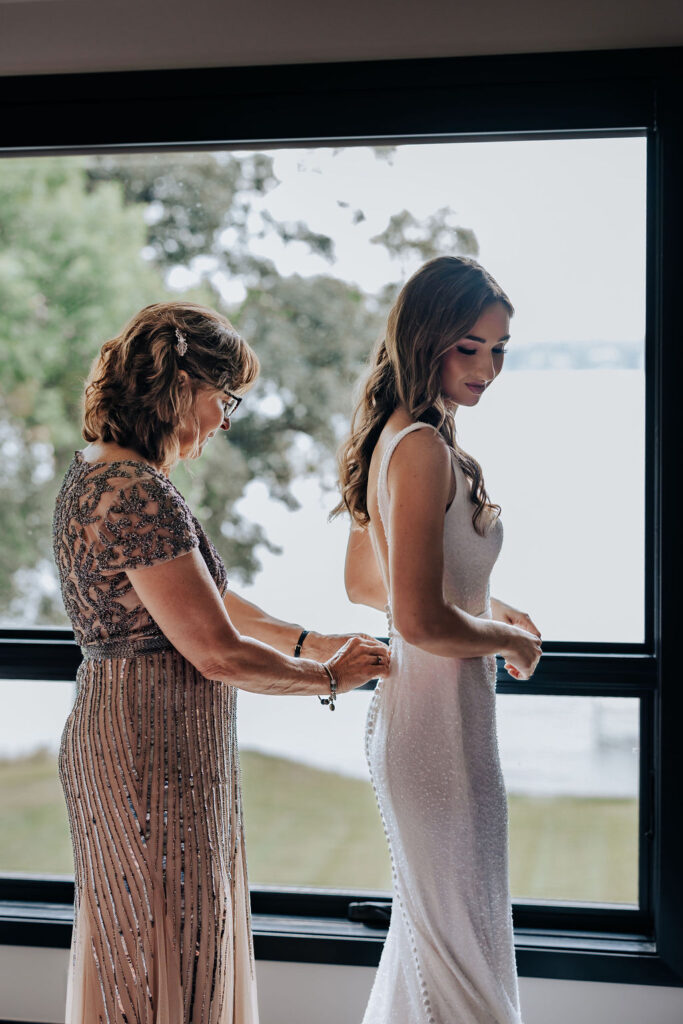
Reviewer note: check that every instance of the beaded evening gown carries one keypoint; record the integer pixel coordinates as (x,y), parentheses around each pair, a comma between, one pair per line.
(433,754)
(150,771)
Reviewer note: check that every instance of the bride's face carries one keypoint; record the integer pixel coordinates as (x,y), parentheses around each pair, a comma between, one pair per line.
(474,362)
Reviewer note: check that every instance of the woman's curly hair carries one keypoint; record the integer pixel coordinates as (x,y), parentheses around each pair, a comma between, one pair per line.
(133,394)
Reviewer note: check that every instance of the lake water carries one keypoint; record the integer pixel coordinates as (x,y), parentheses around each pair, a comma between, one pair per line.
(549,745)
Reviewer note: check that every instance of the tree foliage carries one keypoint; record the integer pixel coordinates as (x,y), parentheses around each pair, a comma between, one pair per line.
(85,243)
(70,273)
(435,235)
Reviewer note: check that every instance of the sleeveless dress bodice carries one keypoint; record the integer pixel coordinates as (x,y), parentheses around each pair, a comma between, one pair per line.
(433,755)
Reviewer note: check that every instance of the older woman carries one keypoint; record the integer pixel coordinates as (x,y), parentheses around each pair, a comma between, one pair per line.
(149,760)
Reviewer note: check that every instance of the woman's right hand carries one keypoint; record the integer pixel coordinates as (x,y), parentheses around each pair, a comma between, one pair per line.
(359,660)
(522,653)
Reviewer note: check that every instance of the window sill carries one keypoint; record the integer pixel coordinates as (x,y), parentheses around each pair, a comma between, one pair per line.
(576,956)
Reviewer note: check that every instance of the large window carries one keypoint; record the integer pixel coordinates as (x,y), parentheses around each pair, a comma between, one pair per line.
(332,231)
(304,246)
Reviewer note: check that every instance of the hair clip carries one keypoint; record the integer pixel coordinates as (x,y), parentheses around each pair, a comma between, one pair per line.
(181,345)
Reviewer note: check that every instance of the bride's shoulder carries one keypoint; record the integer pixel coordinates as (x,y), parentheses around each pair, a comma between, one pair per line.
(413,437)
(418,455)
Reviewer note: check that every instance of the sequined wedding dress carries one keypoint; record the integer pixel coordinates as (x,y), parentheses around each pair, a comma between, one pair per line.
(433,755)
(150,771)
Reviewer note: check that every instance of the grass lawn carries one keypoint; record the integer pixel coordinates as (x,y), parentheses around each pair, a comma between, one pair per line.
(314,828)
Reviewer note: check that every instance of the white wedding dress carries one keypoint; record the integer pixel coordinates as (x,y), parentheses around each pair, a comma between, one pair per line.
(433,754)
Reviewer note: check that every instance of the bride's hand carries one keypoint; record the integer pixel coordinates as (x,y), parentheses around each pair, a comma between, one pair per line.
(359,660)
(522,652)
(503,612)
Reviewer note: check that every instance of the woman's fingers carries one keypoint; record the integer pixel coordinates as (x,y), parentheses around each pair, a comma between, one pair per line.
(366,646)
(518,673)
(525,621)
(358,661)
(531,626)
(367,650)
(376,656)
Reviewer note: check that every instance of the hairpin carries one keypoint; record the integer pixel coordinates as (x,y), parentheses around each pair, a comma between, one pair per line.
(181,345)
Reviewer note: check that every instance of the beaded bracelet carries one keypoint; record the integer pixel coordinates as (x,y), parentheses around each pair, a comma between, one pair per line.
(302,637)
(333,689)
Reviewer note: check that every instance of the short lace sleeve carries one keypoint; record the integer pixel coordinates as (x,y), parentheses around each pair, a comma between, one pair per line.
(142,521)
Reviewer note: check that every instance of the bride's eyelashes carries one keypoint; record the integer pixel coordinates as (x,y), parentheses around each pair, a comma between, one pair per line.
(472,351)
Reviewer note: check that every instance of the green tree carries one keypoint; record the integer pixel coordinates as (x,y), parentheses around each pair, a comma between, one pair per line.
(405,235)
(312,335)
(70,272)
(88,241)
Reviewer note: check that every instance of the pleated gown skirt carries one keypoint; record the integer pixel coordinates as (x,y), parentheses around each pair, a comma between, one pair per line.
(150,771)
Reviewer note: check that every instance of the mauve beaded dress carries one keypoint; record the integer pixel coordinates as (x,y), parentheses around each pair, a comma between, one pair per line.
(433,754)
(150,771)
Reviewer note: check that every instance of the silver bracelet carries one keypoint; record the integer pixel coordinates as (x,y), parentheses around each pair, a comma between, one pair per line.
(333,689)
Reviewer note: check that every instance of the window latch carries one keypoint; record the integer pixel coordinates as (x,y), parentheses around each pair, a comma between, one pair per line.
(377,915)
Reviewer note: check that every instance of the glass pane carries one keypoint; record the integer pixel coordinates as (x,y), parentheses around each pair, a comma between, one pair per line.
(571,771)
(570,766)
(574,506)
(34,831)
(311,817)
(305,249)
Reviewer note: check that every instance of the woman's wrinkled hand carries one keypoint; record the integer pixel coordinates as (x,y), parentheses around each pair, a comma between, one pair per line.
(322,646)
(360,659)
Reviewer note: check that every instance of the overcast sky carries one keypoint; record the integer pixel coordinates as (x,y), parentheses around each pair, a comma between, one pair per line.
(560,223)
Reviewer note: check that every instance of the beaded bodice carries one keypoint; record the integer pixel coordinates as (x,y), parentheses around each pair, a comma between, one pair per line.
(114,516)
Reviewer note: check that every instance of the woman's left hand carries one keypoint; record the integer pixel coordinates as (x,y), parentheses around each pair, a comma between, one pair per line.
(322,646)
(503,612)
(506,613)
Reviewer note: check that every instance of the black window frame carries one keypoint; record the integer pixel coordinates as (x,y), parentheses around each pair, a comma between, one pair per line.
(541,95)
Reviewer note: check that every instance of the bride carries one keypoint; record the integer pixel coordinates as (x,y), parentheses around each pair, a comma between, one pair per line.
(424,539)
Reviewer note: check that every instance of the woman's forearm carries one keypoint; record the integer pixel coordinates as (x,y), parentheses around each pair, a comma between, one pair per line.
(450,632)
(499,610)
(252,621)
(251,665)
(372,594)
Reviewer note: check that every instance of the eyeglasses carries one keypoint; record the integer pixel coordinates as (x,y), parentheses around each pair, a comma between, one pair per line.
(231,405)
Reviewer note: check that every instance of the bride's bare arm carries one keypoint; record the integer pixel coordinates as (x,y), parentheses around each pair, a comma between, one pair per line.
(183,600)
(362,575)
(419,482)
(250,620)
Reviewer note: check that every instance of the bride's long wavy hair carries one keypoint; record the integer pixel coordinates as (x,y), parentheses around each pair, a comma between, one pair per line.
(437,306)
